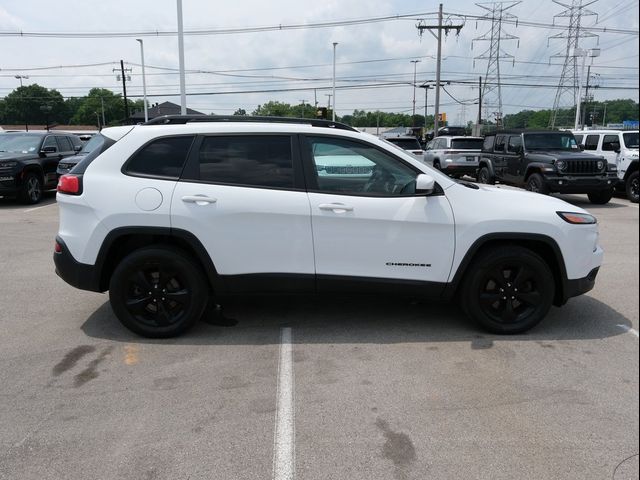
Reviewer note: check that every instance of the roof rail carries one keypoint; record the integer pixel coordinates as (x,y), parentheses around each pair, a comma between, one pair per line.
(183,119)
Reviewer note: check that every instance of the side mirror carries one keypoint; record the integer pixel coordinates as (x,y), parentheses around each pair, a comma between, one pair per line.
(519,149)
(49,150)
(616,147)
(77,148)
(425,184)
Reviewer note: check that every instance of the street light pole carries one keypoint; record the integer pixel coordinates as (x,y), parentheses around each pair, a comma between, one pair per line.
(594,52)
(144,82)
(334,81)
(183,93)
(413,117)
(26,123)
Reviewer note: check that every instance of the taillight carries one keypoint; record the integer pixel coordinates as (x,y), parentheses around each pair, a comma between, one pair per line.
(70,184)
(57,248)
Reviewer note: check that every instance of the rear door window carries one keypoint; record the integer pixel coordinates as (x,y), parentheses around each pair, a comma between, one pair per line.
(466,144)
(501,140)
(162,158)
(610,142)
(591,143)
(254,161)
(64,145)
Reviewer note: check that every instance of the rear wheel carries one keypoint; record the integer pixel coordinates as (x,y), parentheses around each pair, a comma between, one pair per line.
(508,290)
(484,176)
(158,292)
(31,189)
(601,198)
(536,184)
(632,187)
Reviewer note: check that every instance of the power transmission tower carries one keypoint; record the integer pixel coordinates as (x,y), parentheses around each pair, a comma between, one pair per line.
(567,92)
(492,87)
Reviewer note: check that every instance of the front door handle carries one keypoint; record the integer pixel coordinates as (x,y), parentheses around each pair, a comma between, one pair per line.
(199,199)
(335,207)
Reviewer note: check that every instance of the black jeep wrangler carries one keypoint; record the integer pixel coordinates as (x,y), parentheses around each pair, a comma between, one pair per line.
(28,162)
(545,162)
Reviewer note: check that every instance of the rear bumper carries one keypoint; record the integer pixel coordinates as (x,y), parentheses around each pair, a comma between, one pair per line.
(76,274)
(470,168)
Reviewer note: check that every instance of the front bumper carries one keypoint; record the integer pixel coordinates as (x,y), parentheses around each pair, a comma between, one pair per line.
(580,286)
(460,168)
(581,183)
(76,274)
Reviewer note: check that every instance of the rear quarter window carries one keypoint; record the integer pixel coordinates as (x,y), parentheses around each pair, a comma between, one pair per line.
(163,157)
(488,143)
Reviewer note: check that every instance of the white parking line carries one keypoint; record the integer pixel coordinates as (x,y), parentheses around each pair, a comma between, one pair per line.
(284,437)
(38,208)
(629,330)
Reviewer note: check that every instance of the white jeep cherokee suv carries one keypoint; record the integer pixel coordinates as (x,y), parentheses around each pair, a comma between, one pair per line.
(185,208)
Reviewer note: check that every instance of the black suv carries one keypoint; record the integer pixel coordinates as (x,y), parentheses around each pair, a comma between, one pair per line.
(545,162)
(28,162)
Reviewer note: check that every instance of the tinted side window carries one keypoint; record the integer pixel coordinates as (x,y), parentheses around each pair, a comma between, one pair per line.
(487,146)
(64,144)
(579,138)
(500,143)
(75,141)
(163,157)
(261,161)
(50,141)
(514,144)
(591,143)
(609,141)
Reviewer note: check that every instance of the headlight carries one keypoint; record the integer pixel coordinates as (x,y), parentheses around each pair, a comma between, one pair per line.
(577,218)
(561,164)
(600,164)
(8,164)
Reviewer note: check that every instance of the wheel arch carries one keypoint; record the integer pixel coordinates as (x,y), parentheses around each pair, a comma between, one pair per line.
(121,241)
(543,245)
(633,167)
(33,168)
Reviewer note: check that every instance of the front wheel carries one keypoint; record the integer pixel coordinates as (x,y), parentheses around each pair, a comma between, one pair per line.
(537,184)
(484,176)
(158,292)
(632,187)
(600,198)
(31,189)
(508,290)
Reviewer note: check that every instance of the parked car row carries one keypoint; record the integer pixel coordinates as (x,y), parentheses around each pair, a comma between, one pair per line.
(591,162)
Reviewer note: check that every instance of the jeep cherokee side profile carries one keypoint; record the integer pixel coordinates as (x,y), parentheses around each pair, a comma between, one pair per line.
(545,162)
(184,208)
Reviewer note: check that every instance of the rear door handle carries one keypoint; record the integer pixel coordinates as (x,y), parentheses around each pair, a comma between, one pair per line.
(199,199)
(335,207)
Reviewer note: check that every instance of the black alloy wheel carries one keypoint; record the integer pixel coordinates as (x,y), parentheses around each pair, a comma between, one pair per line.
(632,187)
(536,184)
(31,189)
(158,292)
(484,176)
(509,290)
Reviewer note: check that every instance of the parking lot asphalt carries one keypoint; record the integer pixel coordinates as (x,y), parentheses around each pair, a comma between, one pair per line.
(326,388)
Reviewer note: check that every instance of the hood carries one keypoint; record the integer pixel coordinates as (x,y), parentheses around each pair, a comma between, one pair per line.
(18,156)
(550,155)
(519,200)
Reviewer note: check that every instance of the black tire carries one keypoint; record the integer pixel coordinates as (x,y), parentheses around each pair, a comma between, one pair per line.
(508,290)
(601,198)
(632,187)
(31,192)
(158,292)
(484,176)
(537,184)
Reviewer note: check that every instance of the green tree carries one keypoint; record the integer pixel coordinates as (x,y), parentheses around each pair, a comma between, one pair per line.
(29,104)
(240,112)
(274,109)
(89,111)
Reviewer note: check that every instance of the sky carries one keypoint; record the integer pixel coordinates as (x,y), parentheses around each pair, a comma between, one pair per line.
(231,70)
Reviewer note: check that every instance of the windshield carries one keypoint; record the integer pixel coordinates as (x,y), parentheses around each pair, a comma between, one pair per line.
(550,141)
(467,143)
(630,139)
(406,143)
(16,143)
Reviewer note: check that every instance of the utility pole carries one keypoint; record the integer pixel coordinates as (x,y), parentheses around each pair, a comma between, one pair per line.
(426,103)
(413,116)
(479,123)
(329,102)
(102,105)
(303,109)
(594,52)
(144,82)
(335,44)
(124,88)
(26,121)
(440,28)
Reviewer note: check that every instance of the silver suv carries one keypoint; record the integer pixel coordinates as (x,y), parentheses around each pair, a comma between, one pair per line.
(455,156)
